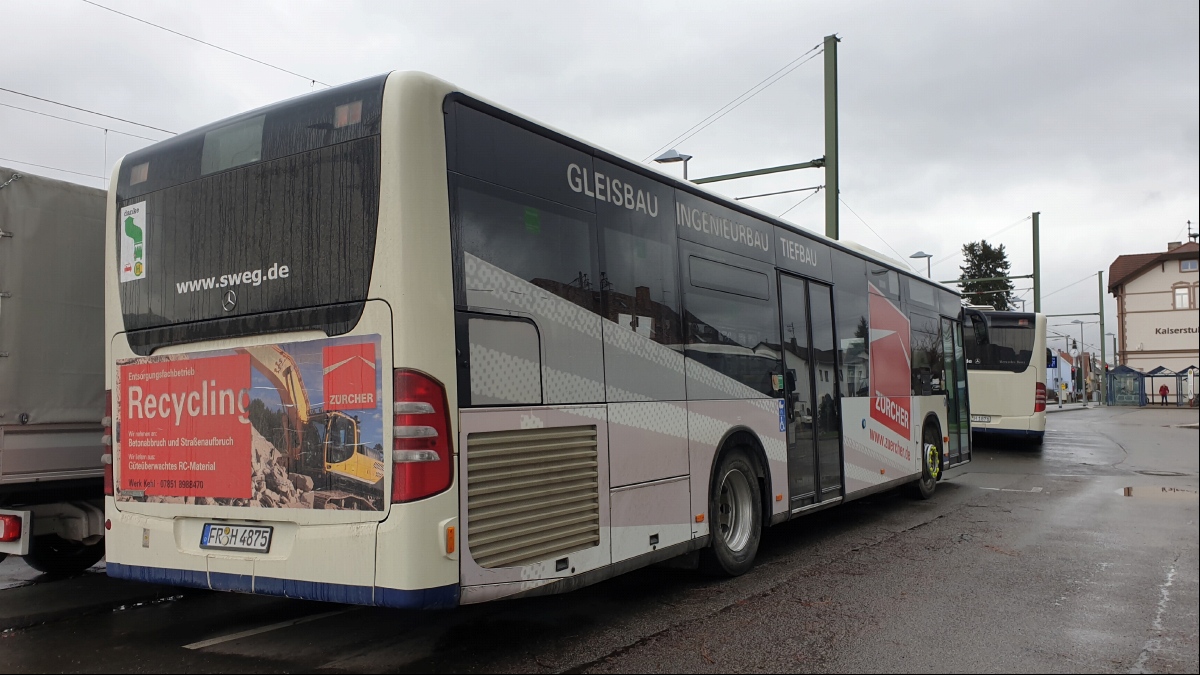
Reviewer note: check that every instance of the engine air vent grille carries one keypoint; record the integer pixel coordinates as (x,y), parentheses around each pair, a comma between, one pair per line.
(532,494)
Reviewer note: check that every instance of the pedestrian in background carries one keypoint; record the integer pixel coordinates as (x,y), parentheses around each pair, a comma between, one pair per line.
(1162,391)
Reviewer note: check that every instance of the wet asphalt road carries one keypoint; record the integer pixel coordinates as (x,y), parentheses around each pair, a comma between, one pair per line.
(1023,561)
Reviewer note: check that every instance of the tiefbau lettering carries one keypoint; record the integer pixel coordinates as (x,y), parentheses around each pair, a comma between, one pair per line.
(715,225)
(794,250)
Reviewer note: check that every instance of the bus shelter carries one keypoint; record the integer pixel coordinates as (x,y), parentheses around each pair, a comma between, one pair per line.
(1175,381)
(1126,386)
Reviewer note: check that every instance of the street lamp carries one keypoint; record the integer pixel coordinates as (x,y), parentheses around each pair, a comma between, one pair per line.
(928,266)
(1116,356)
(671,156)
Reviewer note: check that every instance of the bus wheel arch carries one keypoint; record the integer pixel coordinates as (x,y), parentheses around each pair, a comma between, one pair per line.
(748,441)
(738,504)
(931,459)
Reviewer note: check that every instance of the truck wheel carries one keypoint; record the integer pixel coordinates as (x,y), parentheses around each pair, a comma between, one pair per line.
(53,555)
(735,517)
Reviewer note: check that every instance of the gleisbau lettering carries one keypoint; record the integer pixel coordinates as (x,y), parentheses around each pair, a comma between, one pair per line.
(612,190)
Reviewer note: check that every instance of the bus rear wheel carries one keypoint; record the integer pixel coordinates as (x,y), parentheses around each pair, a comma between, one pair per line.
(735,516)
(931,464)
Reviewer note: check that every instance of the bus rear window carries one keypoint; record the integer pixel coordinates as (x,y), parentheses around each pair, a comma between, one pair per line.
(1009,347)
(234,145)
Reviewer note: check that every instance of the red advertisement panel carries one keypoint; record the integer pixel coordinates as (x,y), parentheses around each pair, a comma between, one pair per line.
(891,371)
(349,376)
(293,425)
(184,427)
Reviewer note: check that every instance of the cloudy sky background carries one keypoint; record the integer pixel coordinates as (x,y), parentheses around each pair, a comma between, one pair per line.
(957,119)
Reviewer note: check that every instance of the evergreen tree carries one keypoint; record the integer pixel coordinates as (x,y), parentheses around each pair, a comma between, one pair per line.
(984,261)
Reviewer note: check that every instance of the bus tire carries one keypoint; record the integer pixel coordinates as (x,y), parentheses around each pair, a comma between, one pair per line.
(53,555)
(931,464)
(735,516)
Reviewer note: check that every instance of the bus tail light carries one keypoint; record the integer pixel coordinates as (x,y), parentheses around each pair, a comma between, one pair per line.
(422,450)
(1039,398)
(107,441)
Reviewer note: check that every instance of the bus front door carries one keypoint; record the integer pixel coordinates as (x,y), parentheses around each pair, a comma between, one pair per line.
(810,384)
(958,433)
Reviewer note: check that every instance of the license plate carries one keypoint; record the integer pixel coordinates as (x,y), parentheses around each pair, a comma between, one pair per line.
(222,537)
(981,418)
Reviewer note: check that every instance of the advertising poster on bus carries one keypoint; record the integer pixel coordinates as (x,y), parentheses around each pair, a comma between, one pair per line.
(294,425)
(891,375)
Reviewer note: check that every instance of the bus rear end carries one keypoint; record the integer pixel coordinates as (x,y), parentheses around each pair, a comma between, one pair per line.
(272,429)
(1007,377)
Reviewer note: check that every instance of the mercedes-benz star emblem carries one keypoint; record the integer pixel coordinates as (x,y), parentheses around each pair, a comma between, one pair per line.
(230,301)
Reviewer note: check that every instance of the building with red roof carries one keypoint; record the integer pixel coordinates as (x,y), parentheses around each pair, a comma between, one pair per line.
(1158,308)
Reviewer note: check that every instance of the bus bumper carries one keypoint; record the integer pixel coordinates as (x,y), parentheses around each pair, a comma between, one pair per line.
(443,597)
(390,563)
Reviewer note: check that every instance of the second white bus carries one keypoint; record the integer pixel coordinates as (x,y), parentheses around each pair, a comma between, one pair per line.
(1007,373)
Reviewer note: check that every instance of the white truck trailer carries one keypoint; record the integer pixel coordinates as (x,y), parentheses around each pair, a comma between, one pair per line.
(51,372)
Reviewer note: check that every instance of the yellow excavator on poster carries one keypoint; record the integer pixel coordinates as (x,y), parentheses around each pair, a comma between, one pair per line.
(336,451)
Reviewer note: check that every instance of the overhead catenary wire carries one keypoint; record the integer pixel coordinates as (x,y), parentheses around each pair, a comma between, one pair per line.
(814,194)
(899,257)
(52,168)
(737,100)
(67,119)
(209,44)
(90,112)
(1073,283)
(996,233)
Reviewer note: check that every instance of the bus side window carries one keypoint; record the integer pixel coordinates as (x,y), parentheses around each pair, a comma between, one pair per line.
(640,286)
(732,327)
(850,312)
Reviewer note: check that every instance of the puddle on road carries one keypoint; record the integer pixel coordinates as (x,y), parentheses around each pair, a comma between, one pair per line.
(1158,492)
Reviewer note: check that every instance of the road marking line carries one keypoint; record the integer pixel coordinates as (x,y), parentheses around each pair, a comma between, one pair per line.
(265,629)
(1036,489)
(1155,643)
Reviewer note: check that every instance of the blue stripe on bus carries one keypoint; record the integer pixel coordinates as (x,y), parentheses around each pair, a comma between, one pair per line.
(1009,432)
(442,597)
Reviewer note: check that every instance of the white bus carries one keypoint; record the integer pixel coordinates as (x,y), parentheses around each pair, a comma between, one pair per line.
(578,365)
(1007,374)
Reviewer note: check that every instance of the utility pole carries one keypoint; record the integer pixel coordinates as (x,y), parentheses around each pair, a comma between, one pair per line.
(831,138)
(1037,262)
(1103,359)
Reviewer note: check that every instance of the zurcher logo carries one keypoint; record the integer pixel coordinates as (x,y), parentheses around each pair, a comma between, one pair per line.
(350,377)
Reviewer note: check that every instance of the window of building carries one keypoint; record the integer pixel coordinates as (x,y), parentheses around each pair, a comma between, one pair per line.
(1183,297)
(1188,265)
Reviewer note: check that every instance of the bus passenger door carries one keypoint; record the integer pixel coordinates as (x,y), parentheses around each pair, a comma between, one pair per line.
(810,384)
(958,430)
(798,388)
(827,427)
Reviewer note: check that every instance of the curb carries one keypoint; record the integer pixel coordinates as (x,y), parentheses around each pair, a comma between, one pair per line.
(58,600)
(1053,410)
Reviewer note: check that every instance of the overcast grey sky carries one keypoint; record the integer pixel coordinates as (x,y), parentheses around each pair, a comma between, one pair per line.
(957,119)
